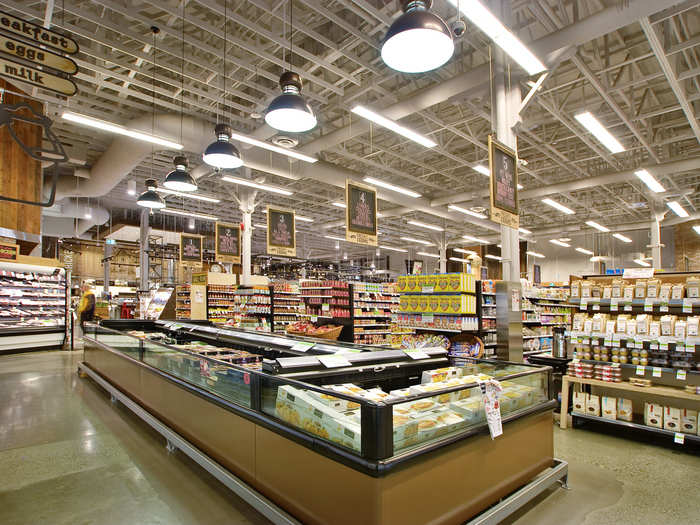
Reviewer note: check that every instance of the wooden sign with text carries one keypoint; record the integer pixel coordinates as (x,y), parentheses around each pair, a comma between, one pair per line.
(281,233)
(360,213)
(503,163)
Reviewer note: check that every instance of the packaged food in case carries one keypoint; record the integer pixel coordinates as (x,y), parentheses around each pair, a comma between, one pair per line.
(689,421)
(692,287)
(576,289)
(439,374)
(665,291)
(653,286)
(653,415)
(617,288)
(471,410)
(672,419)
(643,321)
(586,292)
(678,291)
(608,407)
(640,289)
(607,292)
(679,330)
(579,406)
(654,329)
(624,409)
(693,326)
(593,405)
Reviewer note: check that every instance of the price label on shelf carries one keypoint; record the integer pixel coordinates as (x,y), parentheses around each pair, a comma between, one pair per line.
(616,340)
(690,347)
(314,318)
(596,307)
(681,375)
(663,345)
(325,307)
(613,305)
(334,361)
(679,438)
(428,289)
(653,345)
(640,370)
(428,318)
(628,307)
(416,354)
(302,346)
(656,372)
(663,306)
(608,341)
(630,343)
(585,341)
(687,306)
(583,305)
(648,305)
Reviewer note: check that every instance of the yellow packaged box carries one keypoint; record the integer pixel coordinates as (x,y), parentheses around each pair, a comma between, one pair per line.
(414,303)
(433,304)
(423,303)
(429,282)
(411,284)
(455,282)
(402,283)
(404,301)
(444,302)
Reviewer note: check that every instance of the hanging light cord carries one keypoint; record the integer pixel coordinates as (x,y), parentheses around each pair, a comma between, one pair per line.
(182,73)
(291,32)
(223,54)
(153,116)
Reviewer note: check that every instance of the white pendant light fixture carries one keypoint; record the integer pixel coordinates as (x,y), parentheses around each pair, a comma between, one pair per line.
(289,112)
(222,154)
(180,179)
(418,40)
(149,198)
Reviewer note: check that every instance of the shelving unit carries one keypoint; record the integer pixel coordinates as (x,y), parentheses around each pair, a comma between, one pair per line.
(287,305)
(183,302)
(328,302)
(252,308)
(381,302)
(33,306)
(486,308)
(543,309)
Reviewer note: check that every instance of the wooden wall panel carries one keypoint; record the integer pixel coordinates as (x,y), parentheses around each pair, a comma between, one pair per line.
(20,175)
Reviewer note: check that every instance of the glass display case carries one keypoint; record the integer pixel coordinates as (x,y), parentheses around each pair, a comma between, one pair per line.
(367,409)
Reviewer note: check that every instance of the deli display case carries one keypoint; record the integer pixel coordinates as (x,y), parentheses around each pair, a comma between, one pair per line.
(334,432)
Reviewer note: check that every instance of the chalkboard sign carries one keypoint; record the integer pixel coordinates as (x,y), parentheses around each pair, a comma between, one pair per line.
(360,213)
(504,184)
(190,249)
(281,237)
(228,242)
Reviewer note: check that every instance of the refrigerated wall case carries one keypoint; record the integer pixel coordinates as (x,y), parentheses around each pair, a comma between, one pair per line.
(328,432)
(33,307)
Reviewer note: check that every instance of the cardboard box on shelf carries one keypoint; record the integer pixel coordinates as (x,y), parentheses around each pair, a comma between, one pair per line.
(624,409)
(593,405)
(608,407)
(689,421)
(653,415)
(672,419)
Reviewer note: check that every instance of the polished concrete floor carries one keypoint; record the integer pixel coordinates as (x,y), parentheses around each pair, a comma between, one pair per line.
(67,457)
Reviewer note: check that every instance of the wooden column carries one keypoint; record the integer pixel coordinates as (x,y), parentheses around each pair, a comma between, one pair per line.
(20,177)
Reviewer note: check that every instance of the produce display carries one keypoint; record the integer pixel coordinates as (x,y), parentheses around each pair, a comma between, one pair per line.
(309,329)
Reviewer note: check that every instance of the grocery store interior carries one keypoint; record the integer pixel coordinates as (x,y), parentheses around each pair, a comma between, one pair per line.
(379,262)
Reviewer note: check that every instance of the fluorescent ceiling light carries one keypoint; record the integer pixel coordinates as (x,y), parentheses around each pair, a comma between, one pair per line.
(466,211)
(597,258)
(482,169)
(119,130)
(475,239)
(272,147)
(622,237)
(393,126)
(677,208)
(262,226)
(697,229)
(588,121)
(397,189)
(520,186)
(339,204)
(495,257)
(560,207)
(583,250)
(460,250)
(190,214)
(501,35)
(384,247)
(427,226)
(419,241)
(525,231)
(648,179)
(194,196)
(252,184)
(334,238)
(426,254)
(597,226)
(535,254)
(560,243)
(641,262)
(457,259)
(564,239)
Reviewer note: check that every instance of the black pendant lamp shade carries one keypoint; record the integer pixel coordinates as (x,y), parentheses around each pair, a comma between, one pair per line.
(289,112)
(222,154)
(418,40)
(179,179)
(149,198)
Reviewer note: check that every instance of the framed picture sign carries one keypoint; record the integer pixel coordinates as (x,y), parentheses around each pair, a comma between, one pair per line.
(503,163)
(281,234)
(190,249)
(360,213)
(228,242)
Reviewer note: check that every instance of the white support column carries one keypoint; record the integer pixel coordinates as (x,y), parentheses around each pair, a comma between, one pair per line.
(145,232)
(246,198)
(659,211)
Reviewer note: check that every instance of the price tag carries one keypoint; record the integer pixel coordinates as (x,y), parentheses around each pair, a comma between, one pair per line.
(416,354)
(302,346)
(608,342)
(687,306)
(630,343)
(628,307)
(690,347)
(656,372)
(428,289)
(333,361)
(325,307)
(638,344)
(613,305)
(653,345)
(616,341)
(663,306)
(583,305)
(314,318)
(640,370)
(679,438)
(680,375)
(428,318)
(596,307)
(586,341)
(663,345)
(648,305)
(489,392)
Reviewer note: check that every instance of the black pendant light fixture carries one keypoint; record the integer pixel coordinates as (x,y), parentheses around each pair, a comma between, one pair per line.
(418,40)
(289,112)
(149,198)
(222,154)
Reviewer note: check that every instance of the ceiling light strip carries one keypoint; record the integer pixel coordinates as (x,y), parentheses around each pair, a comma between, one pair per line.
(417,241)
(190,214)
(622,238)
(465,211)
(426,254)
(648,179)
(678,209)
(597,226)
(392,187)
(426,226)
(588,121)
(393,126)
(252,184)
(557,206)
(560,243)
(195,196)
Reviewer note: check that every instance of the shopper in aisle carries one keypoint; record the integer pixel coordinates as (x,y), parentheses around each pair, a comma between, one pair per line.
(86,309)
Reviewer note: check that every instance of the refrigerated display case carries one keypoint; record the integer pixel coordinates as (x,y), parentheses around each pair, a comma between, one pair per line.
(33,309)
(332,432)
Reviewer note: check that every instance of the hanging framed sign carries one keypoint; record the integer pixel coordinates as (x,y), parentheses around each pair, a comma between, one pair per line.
(503,163)
(360,213)
(228,243)
(190,249)
(281,234)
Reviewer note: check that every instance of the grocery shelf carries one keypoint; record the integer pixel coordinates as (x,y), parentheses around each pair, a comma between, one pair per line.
(645,367)
(655,390)
(436,329)
(637,426)
(537,336)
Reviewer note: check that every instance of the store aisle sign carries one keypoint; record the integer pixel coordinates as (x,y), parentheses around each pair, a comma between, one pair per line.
(190,249)
(360,213)
(8,252)
(503,164)
(228,243)
(638,273)
(35,77)
(36,55)
(281,232)
(37,34)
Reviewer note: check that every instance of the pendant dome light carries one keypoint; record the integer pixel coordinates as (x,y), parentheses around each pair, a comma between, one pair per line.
(417,41)
(289,112)
(149,198)
(179,179)
(222,154)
